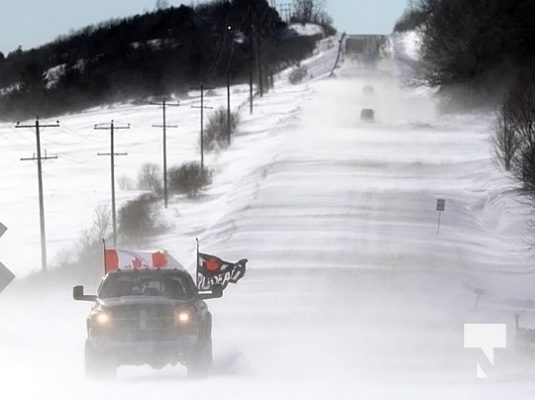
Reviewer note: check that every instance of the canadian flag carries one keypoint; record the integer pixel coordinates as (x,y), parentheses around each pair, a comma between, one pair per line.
(129,259)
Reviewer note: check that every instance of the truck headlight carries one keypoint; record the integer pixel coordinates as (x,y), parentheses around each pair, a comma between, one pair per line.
(182,317)
(103,318)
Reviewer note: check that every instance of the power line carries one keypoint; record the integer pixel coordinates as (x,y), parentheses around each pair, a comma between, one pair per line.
(39,158)
(112,128)
(164,126)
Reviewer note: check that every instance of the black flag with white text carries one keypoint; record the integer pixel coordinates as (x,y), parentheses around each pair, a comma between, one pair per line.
(212,270)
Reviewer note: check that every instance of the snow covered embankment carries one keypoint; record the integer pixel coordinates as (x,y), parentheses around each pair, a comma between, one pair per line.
(350,291)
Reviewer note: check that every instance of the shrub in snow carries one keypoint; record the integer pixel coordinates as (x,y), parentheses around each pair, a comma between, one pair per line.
(89,248)
(188,179)
(312,11)
(139,219)
(215,133)
(125,183)
(150,178)
(81,262)
(298,75)
(411,19)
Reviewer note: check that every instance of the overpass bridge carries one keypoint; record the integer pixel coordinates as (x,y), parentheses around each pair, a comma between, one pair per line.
(364,47)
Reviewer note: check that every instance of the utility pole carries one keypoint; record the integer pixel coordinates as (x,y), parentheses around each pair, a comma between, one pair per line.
(251,66)
(39,160)
(202,108)
(231,49)
(164,125)
(251,90)
(112,128)
(228,109)
(259,64)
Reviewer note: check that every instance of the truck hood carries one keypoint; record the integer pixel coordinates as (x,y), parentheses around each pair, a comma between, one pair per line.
(139,300)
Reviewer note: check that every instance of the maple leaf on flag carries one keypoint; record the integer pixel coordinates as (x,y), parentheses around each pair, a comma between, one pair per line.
(137,263)
(212,265)
(159,260)
(212,270)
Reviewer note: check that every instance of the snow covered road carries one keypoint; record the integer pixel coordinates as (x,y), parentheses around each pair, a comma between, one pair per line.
(350,293)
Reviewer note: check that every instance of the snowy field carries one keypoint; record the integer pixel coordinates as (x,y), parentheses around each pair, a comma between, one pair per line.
(350,292)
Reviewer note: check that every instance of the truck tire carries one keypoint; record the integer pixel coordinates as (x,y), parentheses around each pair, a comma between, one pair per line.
(201,360)
(97,365)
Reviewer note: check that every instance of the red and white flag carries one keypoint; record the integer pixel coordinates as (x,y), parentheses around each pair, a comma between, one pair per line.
(130,259)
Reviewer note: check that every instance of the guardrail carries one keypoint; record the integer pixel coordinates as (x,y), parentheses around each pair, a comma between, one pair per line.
(340,52)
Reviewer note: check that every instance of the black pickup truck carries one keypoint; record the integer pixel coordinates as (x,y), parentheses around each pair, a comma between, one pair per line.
(148,316)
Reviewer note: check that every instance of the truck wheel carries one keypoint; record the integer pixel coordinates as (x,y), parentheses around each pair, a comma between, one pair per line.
(97,365)
(201,360)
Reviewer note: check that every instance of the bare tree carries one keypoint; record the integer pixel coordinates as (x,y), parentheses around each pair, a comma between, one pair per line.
(505,140)
(89,248)
(162,4)
(304,10)
(101,222)
(311,11)
(149,178)
(520,119)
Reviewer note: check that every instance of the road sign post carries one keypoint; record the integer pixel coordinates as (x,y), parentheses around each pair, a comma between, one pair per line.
(441,207)
(6,276)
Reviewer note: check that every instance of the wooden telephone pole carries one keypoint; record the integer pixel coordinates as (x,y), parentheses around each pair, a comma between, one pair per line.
(39,160)
(112,128)
(164,126)
(202,107)
(230,40)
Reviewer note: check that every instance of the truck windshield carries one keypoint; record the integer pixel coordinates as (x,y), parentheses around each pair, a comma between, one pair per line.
(152,283)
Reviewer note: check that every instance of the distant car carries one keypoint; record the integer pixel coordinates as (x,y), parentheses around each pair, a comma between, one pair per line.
(148,316)
(368,90)
(367,115)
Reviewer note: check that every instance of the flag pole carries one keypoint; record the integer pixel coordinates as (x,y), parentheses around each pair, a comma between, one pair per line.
(104,253)
(197,264)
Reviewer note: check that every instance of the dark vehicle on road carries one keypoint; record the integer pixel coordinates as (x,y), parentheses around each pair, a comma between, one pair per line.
(147,316)
(368,90)
(367,115)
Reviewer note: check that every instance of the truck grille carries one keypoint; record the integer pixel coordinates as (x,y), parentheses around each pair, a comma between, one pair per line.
(142,318)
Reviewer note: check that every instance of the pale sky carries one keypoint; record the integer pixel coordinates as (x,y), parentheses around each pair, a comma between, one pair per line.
(31,23)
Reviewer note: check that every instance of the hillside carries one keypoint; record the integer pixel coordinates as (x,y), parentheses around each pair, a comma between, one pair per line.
(154,54)
(77,183)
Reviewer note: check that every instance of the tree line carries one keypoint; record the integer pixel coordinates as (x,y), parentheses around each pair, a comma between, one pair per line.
(153,54)
(487,49)
(473,42)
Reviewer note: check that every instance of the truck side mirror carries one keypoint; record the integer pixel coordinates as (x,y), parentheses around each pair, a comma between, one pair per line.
(215,292)
(78,294)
